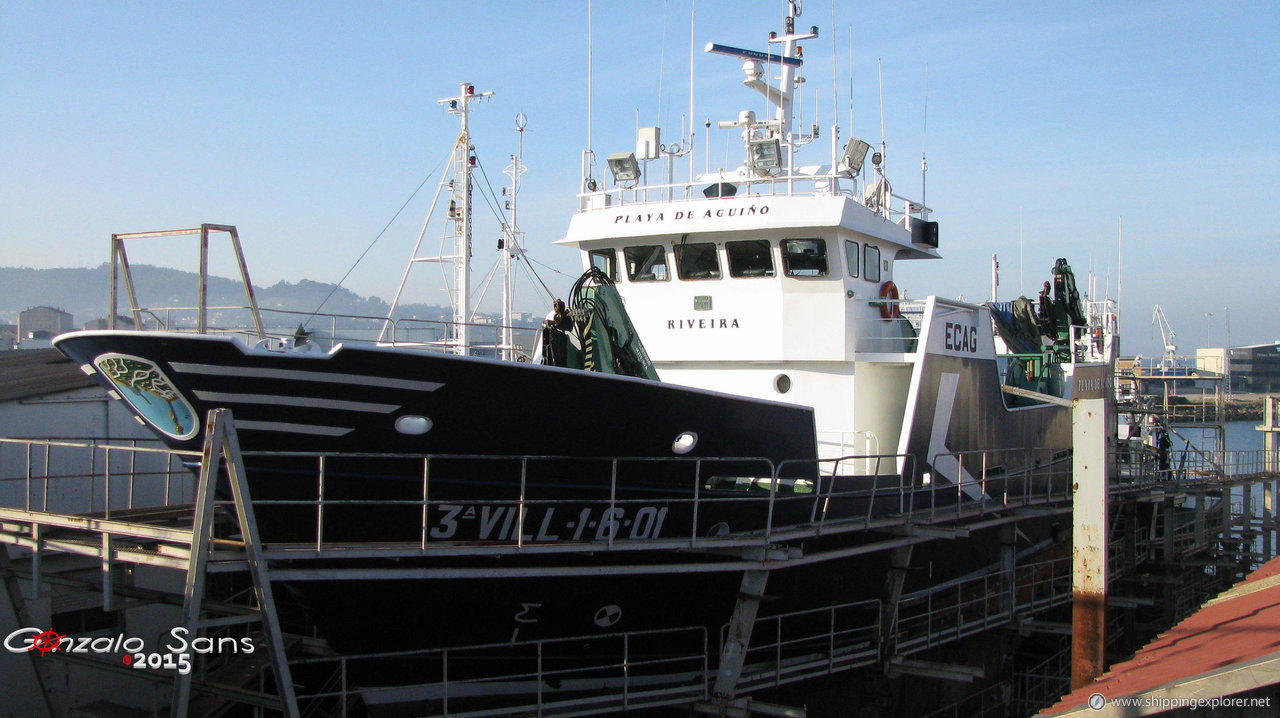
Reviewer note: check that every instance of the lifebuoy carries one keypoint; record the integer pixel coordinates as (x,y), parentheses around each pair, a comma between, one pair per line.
(889,301)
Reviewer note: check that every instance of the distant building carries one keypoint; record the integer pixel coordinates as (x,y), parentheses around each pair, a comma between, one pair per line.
(1256,368)
(47,320)
(122,322)
(8,337)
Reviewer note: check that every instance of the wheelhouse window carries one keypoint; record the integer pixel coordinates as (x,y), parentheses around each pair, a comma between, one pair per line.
(606,260)
(851,257)
(749,258)
(871,263)
(646,263)
(697,261)
(804,257)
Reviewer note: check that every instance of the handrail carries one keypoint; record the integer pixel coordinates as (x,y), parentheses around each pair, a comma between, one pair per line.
(930,617)
(706,502)
(781,185)
(634,677)
(402,328)
(801,644)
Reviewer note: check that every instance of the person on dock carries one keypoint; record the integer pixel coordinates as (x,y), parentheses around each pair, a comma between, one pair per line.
(1163,445)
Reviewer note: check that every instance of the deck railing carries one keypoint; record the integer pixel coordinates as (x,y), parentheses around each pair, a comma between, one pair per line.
(802,182)
(595,673)
(933,617)
(621,504)
(324,330)
(803,644)
(625,503)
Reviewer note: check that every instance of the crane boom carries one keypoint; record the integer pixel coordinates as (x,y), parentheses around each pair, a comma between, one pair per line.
(1167,335)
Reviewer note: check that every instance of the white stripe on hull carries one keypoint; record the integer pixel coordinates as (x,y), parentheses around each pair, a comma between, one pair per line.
(308,376)
(307,402)
(287,428)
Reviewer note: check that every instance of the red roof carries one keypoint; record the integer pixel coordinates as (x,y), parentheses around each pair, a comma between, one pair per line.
(1200,657)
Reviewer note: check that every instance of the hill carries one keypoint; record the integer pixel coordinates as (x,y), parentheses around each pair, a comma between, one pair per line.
(84,293)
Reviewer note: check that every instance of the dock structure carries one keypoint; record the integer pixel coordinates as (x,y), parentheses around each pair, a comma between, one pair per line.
(1176,537)
(1190,666)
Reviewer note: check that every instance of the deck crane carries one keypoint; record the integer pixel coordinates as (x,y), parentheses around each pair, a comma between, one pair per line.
(1167,336)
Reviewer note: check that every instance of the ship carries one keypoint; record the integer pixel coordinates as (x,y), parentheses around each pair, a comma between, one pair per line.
(737,362)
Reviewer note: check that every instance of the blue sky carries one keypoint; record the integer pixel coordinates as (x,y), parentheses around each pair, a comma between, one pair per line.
(308,125)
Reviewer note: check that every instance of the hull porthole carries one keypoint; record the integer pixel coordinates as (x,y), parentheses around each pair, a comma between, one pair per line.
(412,425)
(684,443)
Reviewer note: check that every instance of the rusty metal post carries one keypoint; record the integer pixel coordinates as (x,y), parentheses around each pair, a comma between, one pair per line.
(1089,525)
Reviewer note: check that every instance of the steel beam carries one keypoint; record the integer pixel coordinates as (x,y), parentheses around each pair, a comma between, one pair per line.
(1008,567)
(931,669)
(1054,627)
(738,638)
(942,532)
(899,562)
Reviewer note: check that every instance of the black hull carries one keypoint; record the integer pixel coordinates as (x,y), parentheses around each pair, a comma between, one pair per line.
(503,507)
(349,401)
(578,619)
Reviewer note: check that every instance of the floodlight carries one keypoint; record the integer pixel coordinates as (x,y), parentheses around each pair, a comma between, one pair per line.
(855,153)
(765,155)
(624,167)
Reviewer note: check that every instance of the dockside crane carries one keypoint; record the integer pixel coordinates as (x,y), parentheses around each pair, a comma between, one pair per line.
(1167,336)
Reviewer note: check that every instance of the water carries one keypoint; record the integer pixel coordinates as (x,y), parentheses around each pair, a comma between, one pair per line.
(1244,455)
(1241,436)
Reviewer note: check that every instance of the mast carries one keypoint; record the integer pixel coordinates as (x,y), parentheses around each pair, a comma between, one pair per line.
(511,246)
(457,337)
(460,214)
(787,78)
(782,97)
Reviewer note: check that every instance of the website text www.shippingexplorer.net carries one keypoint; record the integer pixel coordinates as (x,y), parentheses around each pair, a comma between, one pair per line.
(1097,702)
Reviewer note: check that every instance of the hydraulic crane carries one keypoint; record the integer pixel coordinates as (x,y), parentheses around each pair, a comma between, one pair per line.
(1167,336)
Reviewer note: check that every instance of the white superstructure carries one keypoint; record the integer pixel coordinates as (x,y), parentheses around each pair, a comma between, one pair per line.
(771,280)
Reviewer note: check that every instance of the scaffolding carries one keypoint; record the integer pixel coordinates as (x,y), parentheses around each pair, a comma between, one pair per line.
(203,534)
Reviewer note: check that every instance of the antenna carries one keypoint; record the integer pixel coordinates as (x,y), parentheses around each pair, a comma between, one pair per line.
(835,95)
(1022,292)
(692,53)
(851,125)
(706,147)
(995,277)
(883,154)
(1119,271)
(662,69)
(591,153)
(924,143)
(512,249)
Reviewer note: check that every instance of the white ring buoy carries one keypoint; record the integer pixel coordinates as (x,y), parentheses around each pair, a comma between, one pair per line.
(889,301)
